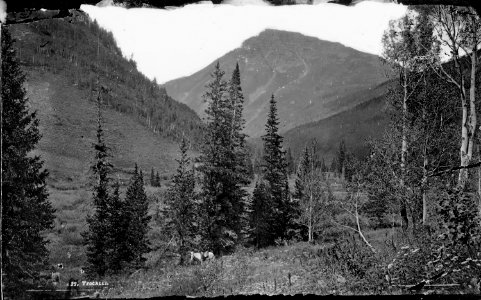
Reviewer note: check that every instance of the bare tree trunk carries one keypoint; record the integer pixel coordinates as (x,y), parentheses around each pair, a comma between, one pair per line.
(479,176)
(479,183)
(463,151)
(359,226)
(404,148)
(309,238)
(424,188)
(424,182)
(1,179)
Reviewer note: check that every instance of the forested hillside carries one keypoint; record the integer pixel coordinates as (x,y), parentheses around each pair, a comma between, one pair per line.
(355,126)
(80,51)
(62,60)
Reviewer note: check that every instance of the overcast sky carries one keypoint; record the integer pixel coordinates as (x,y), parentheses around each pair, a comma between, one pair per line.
(168,44)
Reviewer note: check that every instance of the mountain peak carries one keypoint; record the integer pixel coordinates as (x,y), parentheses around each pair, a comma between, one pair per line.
(309,77)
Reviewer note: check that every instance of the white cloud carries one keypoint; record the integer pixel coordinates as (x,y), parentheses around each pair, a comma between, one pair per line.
(3,11)
(167,44)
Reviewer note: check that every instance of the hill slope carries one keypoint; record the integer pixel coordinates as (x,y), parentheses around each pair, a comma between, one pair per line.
(68,125)
(311,79)
(142,123)
(355,126)
(80,51)
(63,59)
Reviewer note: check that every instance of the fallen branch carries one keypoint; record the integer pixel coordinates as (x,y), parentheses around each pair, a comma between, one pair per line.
(425,282)
(360,232)
(449,170)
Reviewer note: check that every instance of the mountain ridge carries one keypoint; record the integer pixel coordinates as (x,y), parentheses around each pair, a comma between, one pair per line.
(309,77)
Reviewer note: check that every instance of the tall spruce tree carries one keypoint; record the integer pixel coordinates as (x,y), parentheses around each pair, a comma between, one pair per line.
(26,211)
(98,247)
(136,216)
(223,169)
(212,214)
(275,173)
(179,213)
(240,165)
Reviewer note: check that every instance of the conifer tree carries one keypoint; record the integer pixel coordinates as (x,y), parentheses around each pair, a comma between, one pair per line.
(212,214)
(275,172)
(96,236)
(223,167)
(136,215)
(26,211)
(341,157)
(290,162)
(322,165)
(157,180)
(118,228)
(303,170)
(152,178)
(334,165)
(262,216)
(240,163)
(180,207)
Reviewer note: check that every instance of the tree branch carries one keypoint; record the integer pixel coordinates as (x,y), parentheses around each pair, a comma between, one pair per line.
(449,170)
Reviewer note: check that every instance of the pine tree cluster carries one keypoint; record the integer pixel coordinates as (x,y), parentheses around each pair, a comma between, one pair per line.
(223,165)
(154,178)
(180,206)
(222,215)
(117,234)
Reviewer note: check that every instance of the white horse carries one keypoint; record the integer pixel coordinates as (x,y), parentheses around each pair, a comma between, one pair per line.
(55,277)
(201,256)
(208,255)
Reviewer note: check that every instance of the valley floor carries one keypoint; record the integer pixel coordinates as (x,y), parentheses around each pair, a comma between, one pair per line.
(300,268)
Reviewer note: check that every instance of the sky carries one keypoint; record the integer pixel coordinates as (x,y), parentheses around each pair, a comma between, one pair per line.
(170,43)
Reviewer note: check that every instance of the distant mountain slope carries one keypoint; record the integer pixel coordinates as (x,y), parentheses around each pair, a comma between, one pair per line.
(355,126)
(143,124)
(79,50)
(68,125)
(311,79)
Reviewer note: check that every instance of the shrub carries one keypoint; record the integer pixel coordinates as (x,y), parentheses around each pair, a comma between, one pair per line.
(201,280)
(363,269)
(452,254)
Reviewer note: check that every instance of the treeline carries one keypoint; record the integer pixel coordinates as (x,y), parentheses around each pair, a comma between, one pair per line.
(334,165)
(80,50)
(207,206)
